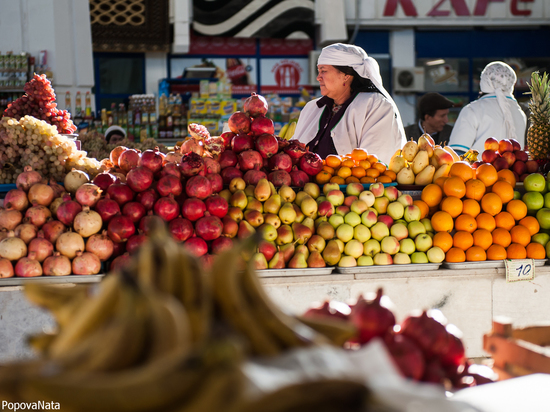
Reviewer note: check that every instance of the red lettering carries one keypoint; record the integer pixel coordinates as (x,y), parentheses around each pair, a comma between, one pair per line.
(514,8)
(481,6)
(459,6)
(407,5)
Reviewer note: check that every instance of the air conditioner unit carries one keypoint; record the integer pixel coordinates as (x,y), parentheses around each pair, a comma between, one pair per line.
(313,57)
(408,79)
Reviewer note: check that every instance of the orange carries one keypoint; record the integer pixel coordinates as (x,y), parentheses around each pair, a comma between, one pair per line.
(504,190)
(442,221)
(365,164)
(535,251)
(517,209)
(381,167)
(444,240)
(496,252)
(475,189)
(344,172)
(323,177)
(384,179)
(424,208)
(367,179)
(432,194)
(520,234)
(505,220)
(352,179)
(501,237)
(452,205)
(372,172)
(391,174)
(482,238)
(471,207)
(329,169)
(359,154)
(440,181)
(516,251)
(508,175)
(348,163)
(476,254)
(466,223)
(358,172)
(372,158)
(454,186)
(491,203)
(333,161)
(455,255)
(463,170)
(487,173)
(463,240)
(531,223)
(486,221)
(338,180)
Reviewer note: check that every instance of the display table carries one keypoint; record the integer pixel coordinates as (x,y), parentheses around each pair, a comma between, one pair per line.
(469,298)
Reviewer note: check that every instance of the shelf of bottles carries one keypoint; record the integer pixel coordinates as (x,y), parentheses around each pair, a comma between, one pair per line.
(14,73)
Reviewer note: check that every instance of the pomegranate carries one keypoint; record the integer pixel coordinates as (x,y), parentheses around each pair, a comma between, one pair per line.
(147,222)
(52,229)
(209,227)
(242,142)
(118,249)
(250,159)
(172,157)
(267,145)
(199,187)
(67,210)
(221,244)
(167,208)
(279,178)
(106,165)
(55,205)
(191,165)
(280,161)
(196,246)
(115,154)
(88,194)
(107,208)
(263,125)
(140,178)
(372,318)
(228,159)
(128,159)
(26,231)
(16,199)
(28,178)
(230,227)
(148,198)
(255,105)
(6,269)
(433,372)
(74,179)
(120,228)
(407,355)
(120,178)
(193,209)
(207,261)
(100,245)
(298,178)
(28,267)
(216,206)
(227,137)
(170,169)
(41,247)
(87,223)
(328,309)
(428,333)
(214,145)
(311,163)
(57,265)
(104,180)
(3,234)
(252,177)
(216,182)
(69,243)
(120,193)
(211,165)
(134,242)
(152,160)
(134,210)
(58,190)
(230,173)
(180,228)
(41,194)
(120,262)
(295,150)
(169,185)
(86,263)
(239,122)
(10,219)
(12,248)
(191,145)
(455,354)
(37,215)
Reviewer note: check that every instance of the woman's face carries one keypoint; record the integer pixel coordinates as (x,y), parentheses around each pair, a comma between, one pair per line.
(331,81)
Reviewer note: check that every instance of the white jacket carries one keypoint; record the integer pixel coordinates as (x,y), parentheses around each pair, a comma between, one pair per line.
(369,122)
(482,119)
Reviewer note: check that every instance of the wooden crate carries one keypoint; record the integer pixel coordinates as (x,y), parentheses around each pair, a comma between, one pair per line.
(518,352)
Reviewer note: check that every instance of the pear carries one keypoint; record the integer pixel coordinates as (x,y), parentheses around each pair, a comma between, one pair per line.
(287,193)
(277,261)
(299,214)
(425,142)
(262,191)
(405,176)
(309,222)
(442,170)
(309,206)
(312,189)
(442,156)
(421,160)
(273,189)
(235,213)
(298,261)
(455,156)
(268,232)
(273,204)
(315,260)
(268,249)
(249,190)
(287,214)
(285,235)
(325,230)
(237,183)
(255,218)
(331,253)
(409,150)
(434,162)
(300,196)
(397,163)
(302,249)
(238,199)
(254,204)
(302,233)
(287,251)
(245,230)
(273,220)
(425,176)
(226,194)
(316,243)
(259,262)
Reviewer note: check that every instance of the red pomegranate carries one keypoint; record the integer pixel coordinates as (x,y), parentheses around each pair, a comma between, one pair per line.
(140,178)
(88,194)
(216,206)
(58,189)
(280,161)
(192,145)
(52,229)
(262,125)
(104,180)
(134,210)
(193,209)
(121,193)
(250,159)
(227,137)
(86,263)
(120,262)
(134,242)
(242,142)
(16,199)
(107,208)
(230,173)
(239,122)
(172,157)
(28,266)
(152,160)
(311,163)
(169,185)
(197,246)
(40,247)
(181,229)
(57,265)
(328,309)
(167,208)
(37,215)
(28,178)
(455,353)
(100,245)
(221,244)
(216,182)
(372,318)
(120,228)
(146,223)
(67,210)
(148,198)
(128,159)
(407,355)
(295,150)
(255,105)
(252,177)
(429,334)
(434,372)
(279,178)
(118,249)
(267,145)
(170,169)
(115,154)
(191,164)
(228,159)
(211,165)
(298,178)
(199,187)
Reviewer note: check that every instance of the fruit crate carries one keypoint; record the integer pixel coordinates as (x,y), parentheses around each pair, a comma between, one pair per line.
(518,352)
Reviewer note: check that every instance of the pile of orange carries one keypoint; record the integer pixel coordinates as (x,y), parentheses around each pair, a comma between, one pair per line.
(477,218)
(359,166)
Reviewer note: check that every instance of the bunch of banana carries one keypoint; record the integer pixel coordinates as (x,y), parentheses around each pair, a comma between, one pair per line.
(287,131)
(470,156)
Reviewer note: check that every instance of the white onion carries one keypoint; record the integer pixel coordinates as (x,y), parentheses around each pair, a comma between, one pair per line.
(12,248)
(87,223)
(74,179)
(69,243)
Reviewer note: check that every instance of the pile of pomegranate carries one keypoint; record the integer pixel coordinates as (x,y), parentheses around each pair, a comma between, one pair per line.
(424,347)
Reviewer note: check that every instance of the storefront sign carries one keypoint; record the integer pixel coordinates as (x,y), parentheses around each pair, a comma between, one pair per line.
(284,76)
(519,269)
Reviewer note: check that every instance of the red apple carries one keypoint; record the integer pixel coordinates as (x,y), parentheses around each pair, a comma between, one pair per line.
(476,164)
(519,167)
(510,158)
(532,166)
(523,176)
(491,144)
(489,156)
(505,145)
(515,144)
(501,163)
(521,155)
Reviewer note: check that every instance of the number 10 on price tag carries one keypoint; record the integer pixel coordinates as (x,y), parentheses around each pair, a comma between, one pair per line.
(519,269)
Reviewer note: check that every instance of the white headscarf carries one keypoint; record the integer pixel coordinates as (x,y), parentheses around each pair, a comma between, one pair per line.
(339,54)
(499,78)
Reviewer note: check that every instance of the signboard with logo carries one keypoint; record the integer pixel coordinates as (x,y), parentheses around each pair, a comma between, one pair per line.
(284,75)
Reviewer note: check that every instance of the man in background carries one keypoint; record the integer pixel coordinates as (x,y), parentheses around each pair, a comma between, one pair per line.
(433,110)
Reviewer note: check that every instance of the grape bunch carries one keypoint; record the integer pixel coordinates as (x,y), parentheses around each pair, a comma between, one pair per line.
(39,102)
(32,142)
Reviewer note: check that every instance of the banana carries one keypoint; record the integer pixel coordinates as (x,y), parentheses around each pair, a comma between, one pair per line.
(338,331)
(283,130)
(290,132)
(41,342)
(53,297)
(145,267)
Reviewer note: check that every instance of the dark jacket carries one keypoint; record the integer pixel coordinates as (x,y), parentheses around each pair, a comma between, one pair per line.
(443,136)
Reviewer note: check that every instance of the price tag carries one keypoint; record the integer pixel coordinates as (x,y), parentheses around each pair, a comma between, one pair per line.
(519,269)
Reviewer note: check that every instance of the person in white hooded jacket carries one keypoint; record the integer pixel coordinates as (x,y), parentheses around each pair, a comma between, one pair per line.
(355,110)
(496,113)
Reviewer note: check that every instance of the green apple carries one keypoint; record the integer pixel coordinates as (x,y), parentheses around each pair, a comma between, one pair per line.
(541,238)
(390,245)
(547,200)
(344,232)
(423,242)
(365,261)
(361,233)
(533,200)
(415,228)
(401,259)
(543,216)
(354,248)
(407,246)
(369,218)
(352,219)
(534,182)
(435,254)
(347,262)
(382,259)
(336,220)
(419,257)
(379,231)
(399,231)
(427,224)
(371,247)
(517,195)
(395,210)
